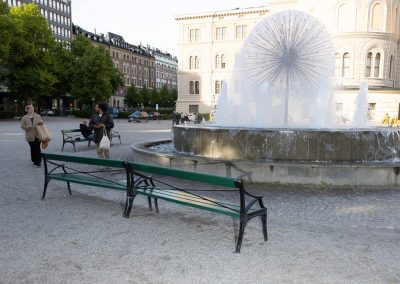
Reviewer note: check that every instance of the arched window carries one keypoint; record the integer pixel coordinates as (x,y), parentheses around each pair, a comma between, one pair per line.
(337,65)
(217,62)
(346,65)
(345,18)
(191,88)
(196,87)
(377,63)
(223,63)
(368,65)
(391,67)
(217,87)
(196,63)
(377,17)
(395,21)
(191,62)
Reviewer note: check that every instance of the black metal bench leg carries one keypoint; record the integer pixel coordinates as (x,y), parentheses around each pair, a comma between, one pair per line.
(74,146)
(69,188)
(149,201)
(45,188)
(242,225)
(128,205)
(156,205)
(264,224)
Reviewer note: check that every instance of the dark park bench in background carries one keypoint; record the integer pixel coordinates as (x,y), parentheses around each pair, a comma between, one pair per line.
(73,136)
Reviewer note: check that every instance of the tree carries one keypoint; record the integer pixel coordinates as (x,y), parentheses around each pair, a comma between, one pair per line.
(165,96)
(144,93)
(63,69)
(6,32)
(133,98)
(174,98)
(30,62)
(95,77)
(155,97)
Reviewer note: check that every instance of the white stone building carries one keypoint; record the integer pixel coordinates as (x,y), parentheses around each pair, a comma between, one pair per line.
(366,41)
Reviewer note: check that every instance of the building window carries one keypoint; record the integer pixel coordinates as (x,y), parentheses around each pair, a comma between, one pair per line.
(377,17)
(193,108)
(223,63)
(217,87)
(337,65)
(368,65)
(217,61)
(196,87)
(391,67)
(377,63)
(191,88)
(240,32)
(194,35)
(346,65)
(220,62)
(196,63)
(191,62)
(221,33)
(371,111)
(396,21)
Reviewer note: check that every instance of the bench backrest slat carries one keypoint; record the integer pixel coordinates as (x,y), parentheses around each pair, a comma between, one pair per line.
(201,177)
(84,160)
(70,130)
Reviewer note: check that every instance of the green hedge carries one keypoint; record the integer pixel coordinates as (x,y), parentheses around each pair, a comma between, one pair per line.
(83,113)
(7,114)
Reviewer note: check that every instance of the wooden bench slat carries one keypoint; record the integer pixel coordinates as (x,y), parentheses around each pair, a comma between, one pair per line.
(196,202)
(200,177)
(85,160)
(87,180)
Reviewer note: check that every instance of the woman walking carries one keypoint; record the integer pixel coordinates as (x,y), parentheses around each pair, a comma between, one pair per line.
(28,123)
(100,121)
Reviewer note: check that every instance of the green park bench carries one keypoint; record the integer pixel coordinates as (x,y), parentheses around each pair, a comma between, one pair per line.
(73,136)
(157,185)
(104,173)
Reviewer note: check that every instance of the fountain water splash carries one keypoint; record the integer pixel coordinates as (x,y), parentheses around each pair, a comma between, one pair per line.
(282,76)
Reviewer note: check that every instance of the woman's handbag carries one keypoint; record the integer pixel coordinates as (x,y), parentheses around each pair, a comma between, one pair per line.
(42,133)
(105,142)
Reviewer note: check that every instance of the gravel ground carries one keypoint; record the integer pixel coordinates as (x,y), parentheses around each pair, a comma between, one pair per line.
(316,235)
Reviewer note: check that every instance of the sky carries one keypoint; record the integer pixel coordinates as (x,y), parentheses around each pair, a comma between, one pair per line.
(146,22)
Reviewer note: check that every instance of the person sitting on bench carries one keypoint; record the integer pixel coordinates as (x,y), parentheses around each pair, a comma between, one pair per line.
(86,131)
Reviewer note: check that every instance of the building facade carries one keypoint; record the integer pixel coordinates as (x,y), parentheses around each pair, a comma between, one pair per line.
(365,36)
(208,45)
(57,13)
(166,70)
(140,65)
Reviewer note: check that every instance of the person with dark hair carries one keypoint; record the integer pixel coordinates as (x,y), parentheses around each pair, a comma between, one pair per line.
(28,123)
(100,121)
(86,131)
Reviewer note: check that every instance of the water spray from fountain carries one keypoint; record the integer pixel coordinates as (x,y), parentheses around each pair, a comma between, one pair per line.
(283,75)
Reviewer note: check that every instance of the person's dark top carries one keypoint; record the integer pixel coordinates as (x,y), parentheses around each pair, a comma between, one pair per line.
(108,122)
(85,130)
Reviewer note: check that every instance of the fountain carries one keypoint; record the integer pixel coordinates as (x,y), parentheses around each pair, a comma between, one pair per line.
(275,119)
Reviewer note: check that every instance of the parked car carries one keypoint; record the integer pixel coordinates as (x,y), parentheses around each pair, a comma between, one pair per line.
(113,111)
(154,115)
(138,116)
(47,112)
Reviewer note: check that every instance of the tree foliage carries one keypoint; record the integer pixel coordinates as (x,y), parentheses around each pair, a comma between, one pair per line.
(30,63)
(6,32)
(133,97)
(95,77)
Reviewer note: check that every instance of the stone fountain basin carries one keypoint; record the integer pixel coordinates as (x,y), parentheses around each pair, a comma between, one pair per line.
(380,144)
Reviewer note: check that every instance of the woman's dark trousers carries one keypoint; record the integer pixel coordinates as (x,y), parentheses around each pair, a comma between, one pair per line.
(35,151)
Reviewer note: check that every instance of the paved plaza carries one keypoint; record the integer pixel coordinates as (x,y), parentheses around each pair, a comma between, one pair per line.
(316,234)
